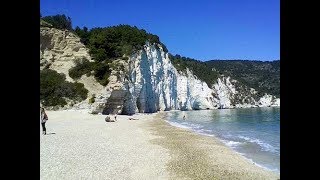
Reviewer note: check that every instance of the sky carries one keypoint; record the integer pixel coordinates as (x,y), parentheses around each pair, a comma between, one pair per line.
(199,29)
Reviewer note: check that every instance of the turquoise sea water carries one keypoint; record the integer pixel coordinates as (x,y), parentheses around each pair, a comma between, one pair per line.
(252,132)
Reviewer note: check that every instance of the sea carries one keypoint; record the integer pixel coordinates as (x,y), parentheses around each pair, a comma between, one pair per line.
(252,132)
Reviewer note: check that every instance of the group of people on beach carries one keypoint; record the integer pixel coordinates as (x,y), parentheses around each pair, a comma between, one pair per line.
(108,119)
(44,118)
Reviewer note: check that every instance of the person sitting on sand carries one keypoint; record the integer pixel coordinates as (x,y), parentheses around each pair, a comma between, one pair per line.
(44,119)
(108,119)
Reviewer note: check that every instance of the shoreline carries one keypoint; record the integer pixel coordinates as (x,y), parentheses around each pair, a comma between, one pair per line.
(52,108)
(206,148)
(81,145)
(222,141)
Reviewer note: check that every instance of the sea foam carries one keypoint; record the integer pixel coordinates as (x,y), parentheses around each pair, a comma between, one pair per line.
(264,146)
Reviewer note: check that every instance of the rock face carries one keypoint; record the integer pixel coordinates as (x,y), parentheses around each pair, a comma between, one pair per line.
(269,100)
(193,94)
(59,48)
(146,83)
(115,102)
(152,81)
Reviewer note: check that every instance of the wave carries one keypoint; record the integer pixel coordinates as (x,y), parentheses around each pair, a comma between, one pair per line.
(186,125)
(264,146)
(231,143)
(194,127)
(178,125)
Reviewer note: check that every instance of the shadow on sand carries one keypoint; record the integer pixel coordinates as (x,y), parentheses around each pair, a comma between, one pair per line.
(50,133)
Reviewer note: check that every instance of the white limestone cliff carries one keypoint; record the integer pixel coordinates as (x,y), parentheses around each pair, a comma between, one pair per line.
(269,100)
(154,84)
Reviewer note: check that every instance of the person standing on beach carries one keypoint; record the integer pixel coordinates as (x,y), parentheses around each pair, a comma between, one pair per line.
(44,118)
(115,117)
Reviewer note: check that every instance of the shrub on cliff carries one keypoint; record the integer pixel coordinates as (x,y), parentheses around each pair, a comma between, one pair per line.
(92,99)
(199,69)
(262,76)
(125,58)
(113,42)
(54,89)
(82,66)
(101,70)
(83,34)
(59,21)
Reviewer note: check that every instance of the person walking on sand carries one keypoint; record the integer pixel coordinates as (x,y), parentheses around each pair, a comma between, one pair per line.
(44,119)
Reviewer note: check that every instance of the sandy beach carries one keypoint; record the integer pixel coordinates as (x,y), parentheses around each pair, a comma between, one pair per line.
(83,146)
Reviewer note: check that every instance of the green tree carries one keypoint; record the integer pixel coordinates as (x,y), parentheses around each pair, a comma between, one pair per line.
(199,69)
(59,21)
(82,66)
(54,89)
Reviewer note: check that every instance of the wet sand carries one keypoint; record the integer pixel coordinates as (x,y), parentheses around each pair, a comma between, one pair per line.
(195,156)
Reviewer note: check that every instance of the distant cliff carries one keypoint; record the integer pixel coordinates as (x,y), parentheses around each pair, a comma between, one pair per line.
(264,76)
(144,81)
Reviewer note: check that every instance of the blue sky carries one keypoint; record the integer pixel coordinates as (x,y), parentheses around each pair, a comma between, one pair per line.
(200,29)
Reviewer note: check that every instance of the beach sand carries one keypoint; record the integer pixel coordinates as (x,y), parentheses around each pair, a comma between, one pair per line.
(83,146)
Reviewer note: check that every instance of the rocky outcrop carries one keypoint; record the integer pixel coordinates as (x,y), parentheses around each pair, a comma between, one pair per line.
(59,49)
(115,102)
(269,100)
